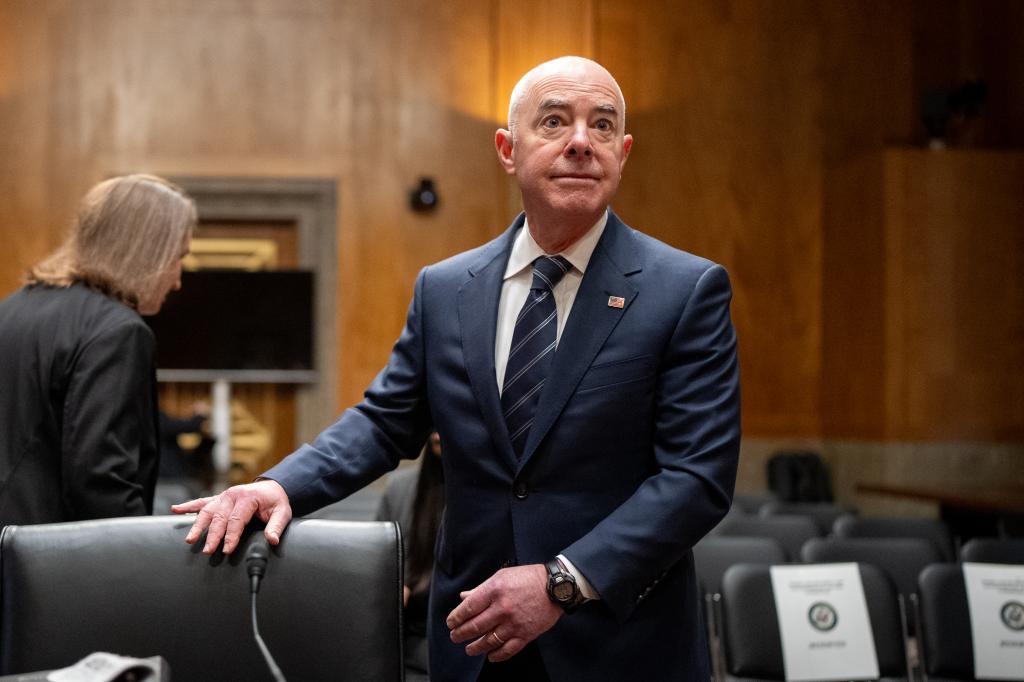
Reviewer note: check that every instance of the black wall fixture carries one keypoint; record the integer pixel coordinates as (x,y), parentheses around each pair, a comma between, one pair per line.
(424,198)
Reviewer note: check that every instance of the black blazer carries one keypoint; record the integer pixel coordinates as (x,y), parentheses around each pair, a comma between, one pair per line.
(78,425)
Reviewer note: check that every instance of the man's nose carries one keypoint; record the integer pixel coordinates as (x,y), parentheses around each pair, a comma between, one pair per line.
(579,143)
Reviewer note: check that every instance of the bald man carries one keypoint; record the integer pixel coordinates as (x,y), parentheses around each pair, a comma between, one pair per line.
(584,382)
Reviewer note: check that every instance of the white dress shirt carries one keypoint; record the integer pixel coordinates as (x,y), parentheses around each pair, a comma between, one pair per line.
(515,289)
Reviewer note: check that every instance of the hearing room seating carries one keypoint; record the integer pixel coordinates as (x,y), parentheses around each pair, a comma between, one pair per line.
(330,602)
(750,626)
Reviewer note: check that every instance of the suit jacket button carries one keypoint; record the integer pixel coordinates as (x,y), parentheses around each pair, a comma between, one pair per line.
(520,490)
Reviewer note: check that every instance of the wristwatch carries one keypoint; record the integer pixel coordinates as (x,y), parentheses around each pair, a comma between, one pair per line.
(562,587)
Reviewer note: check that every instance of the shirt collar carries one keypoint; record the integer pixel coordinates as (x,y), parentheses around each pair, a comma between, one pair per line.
(525,250)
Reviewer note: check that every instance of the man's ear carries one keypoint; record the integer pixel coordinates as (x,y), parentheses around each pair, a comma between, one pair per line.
(503,145)
(627,144)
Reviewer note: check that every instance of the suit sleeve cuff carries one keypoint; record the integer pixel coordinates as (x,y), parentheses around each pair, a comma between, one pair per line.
(586,589)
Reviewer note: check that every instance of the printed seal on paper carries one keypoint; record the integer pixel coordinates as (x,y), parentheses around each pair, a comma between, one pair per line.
(822,616)
(1012,615)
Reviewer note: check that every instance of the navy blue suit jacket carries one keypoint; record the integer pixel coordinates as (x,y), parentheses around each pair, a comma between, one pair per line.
(631,458)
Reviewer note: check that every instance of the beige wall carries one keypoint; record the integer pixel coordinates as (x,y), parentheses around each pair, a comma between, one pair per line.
(752,120)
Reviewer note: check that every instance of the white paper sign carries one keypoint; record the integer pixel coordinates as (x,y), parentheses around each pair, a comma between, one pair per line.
(823,622)
(995,597)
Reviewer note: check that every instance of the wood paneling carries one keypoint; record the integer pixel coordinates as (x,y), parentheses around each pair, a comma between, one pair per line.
(954,294)
(524,38)
(924,323)
(375,94)
(421,78)
(758,130)
(954,40)
(724,101)
(868,64)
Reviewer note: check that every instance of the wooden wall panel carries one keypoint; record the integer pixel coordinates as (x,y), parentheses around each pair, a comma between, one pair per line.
(422,80)
(724,101)
(525,34)
(758,127)
(870,101)
(954,295)
(375,94)
(525,37)
(24,113)
(954,40)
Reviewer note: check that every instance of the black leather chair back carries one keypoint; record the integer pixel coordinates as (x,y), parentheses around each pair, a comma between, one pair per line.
(933,530)
(993,551)
(799,476)
(753,645)
(714,554)
(947,644)
(789,531)
(751,503)
(822,513)
(902,559)
(329,607)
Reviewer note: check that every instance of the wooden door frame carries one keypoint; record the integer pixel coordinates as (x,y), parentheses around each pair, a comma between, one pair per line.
(312,204)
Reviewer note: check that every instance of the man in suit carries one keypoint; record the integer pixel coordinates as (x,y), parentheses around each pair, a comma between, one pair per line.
(584,382)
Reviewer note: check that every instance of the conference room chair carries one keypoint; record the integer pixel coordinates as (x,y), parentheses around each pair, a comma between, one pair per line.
(902,559)
(789,531)
(361,505)
(752,644)
(711,557)
(330,604)
(947,649)
(799,476)
(933,530)
(993,551)
(822,513)
(751,503)
(169,492)
(714,554)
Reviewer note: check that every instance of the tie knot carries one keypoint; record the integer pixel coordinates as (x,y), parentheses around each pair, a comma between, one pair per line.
(548,271)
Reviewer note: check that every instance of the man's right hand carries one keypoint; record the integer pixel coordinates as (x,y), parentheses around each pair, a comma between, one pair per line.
(226,515)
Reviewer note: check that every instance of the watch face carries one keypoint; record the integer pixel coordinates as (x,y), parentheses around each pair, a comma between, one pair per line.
(563,591)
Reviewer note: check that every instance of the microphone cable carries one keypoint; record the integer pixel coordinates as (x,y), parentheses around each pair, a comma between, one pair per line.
(274,670)
(256,565)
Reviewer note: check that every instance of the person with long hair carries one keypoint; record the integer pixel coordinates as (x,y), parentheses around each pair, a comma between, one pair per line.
(414,499)
(78,411)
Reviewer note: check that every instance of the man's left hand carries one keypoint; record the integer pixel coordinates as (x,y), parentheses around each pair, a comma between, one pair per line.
(504,613)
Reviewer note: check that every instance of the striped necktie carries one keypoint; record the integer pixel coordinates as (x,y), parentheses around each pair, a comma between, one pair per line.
(533,347)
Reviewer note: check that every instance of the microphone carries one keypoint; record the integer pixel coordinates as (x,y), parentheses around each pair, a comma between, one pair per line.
(256,562)
(256,557)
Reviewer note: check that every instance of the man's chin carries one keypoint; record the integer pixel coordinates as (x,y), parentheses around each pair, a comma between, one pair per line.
(579,204)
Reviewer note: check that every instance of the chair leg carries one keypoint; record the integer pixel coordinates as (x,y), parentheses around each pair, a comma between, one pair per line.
(716,607)
(922,661)
(905,633)
(714,643)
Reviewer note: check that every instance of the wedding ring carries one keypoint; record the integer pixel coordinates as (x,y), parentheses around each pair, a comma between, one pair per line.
(497,639)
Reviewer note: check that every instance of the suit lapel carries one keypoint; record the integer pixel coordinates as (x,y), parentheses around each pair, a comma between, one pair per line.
(478,322)
(590,322)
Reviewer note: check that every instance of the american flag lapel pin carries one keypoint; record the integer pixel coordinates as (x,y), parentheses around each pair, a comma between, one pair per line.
(616,302)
